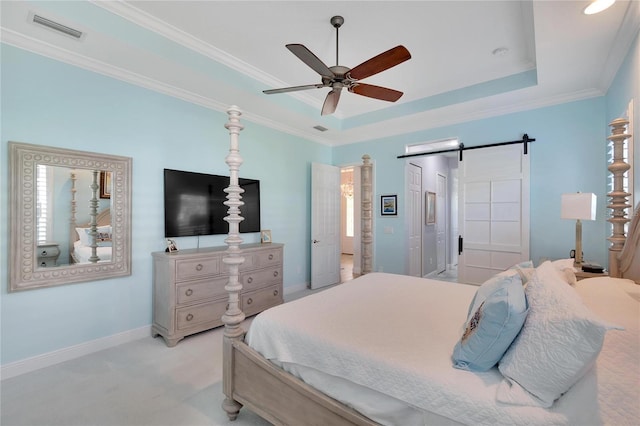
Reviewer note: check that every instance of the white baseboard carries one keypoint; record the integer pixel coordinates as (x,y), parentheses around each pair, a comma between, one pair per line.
(28,365)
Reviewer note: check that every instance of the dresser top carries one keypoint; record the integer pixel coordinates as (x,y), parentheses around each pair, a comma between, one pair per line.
(215,249)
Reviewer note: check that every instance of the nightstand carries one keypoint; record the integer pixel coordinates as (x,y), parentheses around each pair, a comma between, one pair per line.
(47,254)
(580,275)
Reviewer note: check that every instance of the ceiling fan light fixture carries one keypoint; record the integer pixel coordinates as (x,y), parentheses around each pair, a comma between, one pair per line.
(598,6)
(339,77)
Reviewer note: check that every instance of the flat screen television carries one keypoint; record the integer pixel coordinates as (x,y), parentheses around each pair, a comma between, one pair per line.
(193,204)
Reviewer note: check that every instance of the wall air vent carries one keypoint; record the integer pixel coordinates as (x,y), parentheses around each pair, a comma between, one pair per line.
(37,19)
(320,128)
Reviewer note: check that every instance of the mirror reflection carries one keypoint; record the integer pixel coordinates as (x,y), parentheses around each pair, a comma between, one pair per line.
(70,219)
(73,216)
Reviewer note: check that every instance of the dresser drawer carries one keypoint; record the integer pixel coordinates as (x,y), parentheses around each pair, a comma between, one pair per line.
(195,268)
(269,257)
(259,300)
(196,316)
(196,291)
(261,278)
(250,262)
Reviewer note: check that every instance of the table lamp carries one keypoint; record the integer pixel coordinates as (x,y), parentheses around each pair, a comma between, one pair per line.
(578,206)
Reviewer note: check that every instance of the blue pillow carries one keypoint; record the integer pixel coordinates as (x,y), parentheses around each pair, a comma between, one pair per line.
(495,318)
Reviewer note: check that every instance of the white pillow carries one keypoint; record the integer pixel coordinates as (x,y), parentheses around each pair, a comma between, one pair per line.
(85,238)
(559,342)
(567,270)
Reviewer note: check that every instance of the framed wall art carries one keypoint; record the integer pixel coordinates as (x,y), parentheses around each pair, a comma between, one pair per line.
(265,236)
(389,205)
(105,184)
(430,207)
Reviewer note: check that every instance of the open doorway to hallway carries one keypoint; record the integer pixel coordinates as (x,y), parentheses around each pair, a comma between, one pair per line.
(437,216)
(349,226)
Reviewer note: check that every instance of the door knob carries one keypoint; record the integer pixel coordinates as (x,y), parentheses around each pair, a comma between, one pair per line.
(315,241)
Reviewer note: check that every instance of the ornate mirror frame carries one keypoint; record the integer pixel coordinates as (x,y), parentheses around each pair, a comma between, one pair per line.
(25,273)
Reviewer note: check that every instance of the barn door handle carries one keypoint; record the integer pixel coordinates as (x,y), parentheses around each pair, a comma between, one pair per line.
(460,239)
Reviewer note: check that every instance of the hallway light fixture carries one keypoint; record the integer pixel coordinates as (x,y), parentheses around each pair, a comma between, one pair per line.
(578,206)
(347,190)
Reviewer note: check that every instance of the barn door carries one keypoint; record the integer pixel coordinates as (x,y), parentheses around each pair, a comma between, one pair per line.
(493,211)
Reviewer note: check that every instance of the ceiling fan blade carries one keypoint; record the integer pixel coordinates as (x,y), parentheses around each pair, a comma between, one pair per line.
(331,102)
(376,92)
(293,88)
(306,56)
(383,61)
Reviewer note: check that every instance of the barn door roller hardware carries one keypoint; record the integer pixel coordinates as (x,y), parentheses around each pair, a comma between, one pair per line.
(525,140)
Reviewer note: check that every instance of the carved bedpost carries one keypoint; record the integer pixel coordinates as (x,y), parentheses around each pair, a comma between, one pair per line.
(367,217)
(74,210)
(93,214)
(234,316)
(619,202)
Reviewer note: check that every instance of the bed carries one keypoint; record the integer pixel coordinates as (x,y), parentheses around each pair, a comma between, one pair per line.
(90,242)
(393,349)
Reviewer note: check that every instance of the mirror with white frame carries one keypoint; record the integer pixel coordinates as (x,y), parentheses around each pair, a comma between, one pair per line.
(70,216)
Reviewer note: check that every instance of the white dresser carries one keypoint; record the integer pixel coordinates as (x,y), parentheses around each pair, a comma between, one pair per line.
(188,287)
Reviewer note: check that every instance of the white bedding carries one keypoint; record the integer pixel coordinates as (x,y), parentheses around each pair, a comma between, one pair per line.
(395,334)
(81,253)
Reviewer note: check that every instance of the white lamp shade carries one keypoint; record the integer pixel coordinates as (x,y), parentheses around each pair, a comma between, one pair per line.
(580,205)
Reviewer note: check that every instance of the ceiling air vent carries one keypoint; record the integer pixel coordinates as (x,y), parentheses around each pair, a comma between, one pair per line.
(57,27)
(320,128)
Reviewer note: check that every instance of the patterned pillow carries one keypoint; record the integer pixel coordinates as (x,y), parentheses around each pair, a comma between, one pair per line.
(558,344)
(496,315)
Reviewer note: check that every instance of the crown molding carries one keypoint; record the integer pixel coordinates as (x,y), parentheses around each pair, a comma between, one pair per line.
(168,31)
(52,51)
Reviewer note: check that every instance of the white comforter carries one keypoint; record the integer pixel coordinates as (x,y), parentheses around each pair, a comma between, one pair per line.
(395,334)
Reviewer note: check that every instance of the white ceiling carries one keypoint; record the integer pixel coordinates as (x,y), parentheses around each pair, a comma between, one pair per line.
(219,53)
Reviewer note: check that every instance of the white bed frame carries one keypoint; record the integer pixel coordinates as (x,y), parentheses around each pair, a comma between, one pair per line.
(251,380)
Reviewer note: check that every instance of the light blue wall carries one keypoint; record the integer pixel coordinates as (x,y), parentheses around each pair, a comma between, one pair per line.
(46,102)
(568,155)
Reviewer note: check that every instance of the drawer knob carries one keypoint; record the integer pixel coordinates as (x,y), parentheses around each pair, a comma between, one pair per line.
(199,267)
(275,292)
(44,252)
(271,256)
(249,301)
(189,292)
(275,273)
(189,317)
(250,280)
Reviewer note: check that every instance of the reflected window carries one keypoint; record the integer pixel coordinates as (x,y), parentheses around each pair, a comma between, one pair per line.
(44,212)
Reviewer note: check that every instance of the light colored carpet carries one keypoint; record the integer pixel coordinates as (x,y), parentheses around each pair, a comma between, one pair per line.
(137,383)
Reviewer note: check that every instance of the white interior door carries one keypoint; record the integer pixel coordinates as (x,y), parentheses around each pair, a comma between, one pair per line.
(414,219)
(441,223)
(493,211)
(325,225)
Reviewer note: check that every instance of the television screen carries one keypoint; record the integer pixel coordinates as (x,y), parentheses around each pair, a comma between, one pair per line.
(193,204)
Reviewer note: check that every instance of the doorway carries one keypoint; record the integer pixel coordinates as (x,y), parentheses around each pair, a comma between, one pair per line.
(349,223)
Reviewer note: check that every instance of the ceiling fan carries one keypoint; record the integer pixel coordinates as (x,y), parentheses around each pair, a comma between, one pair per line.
(338,77)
